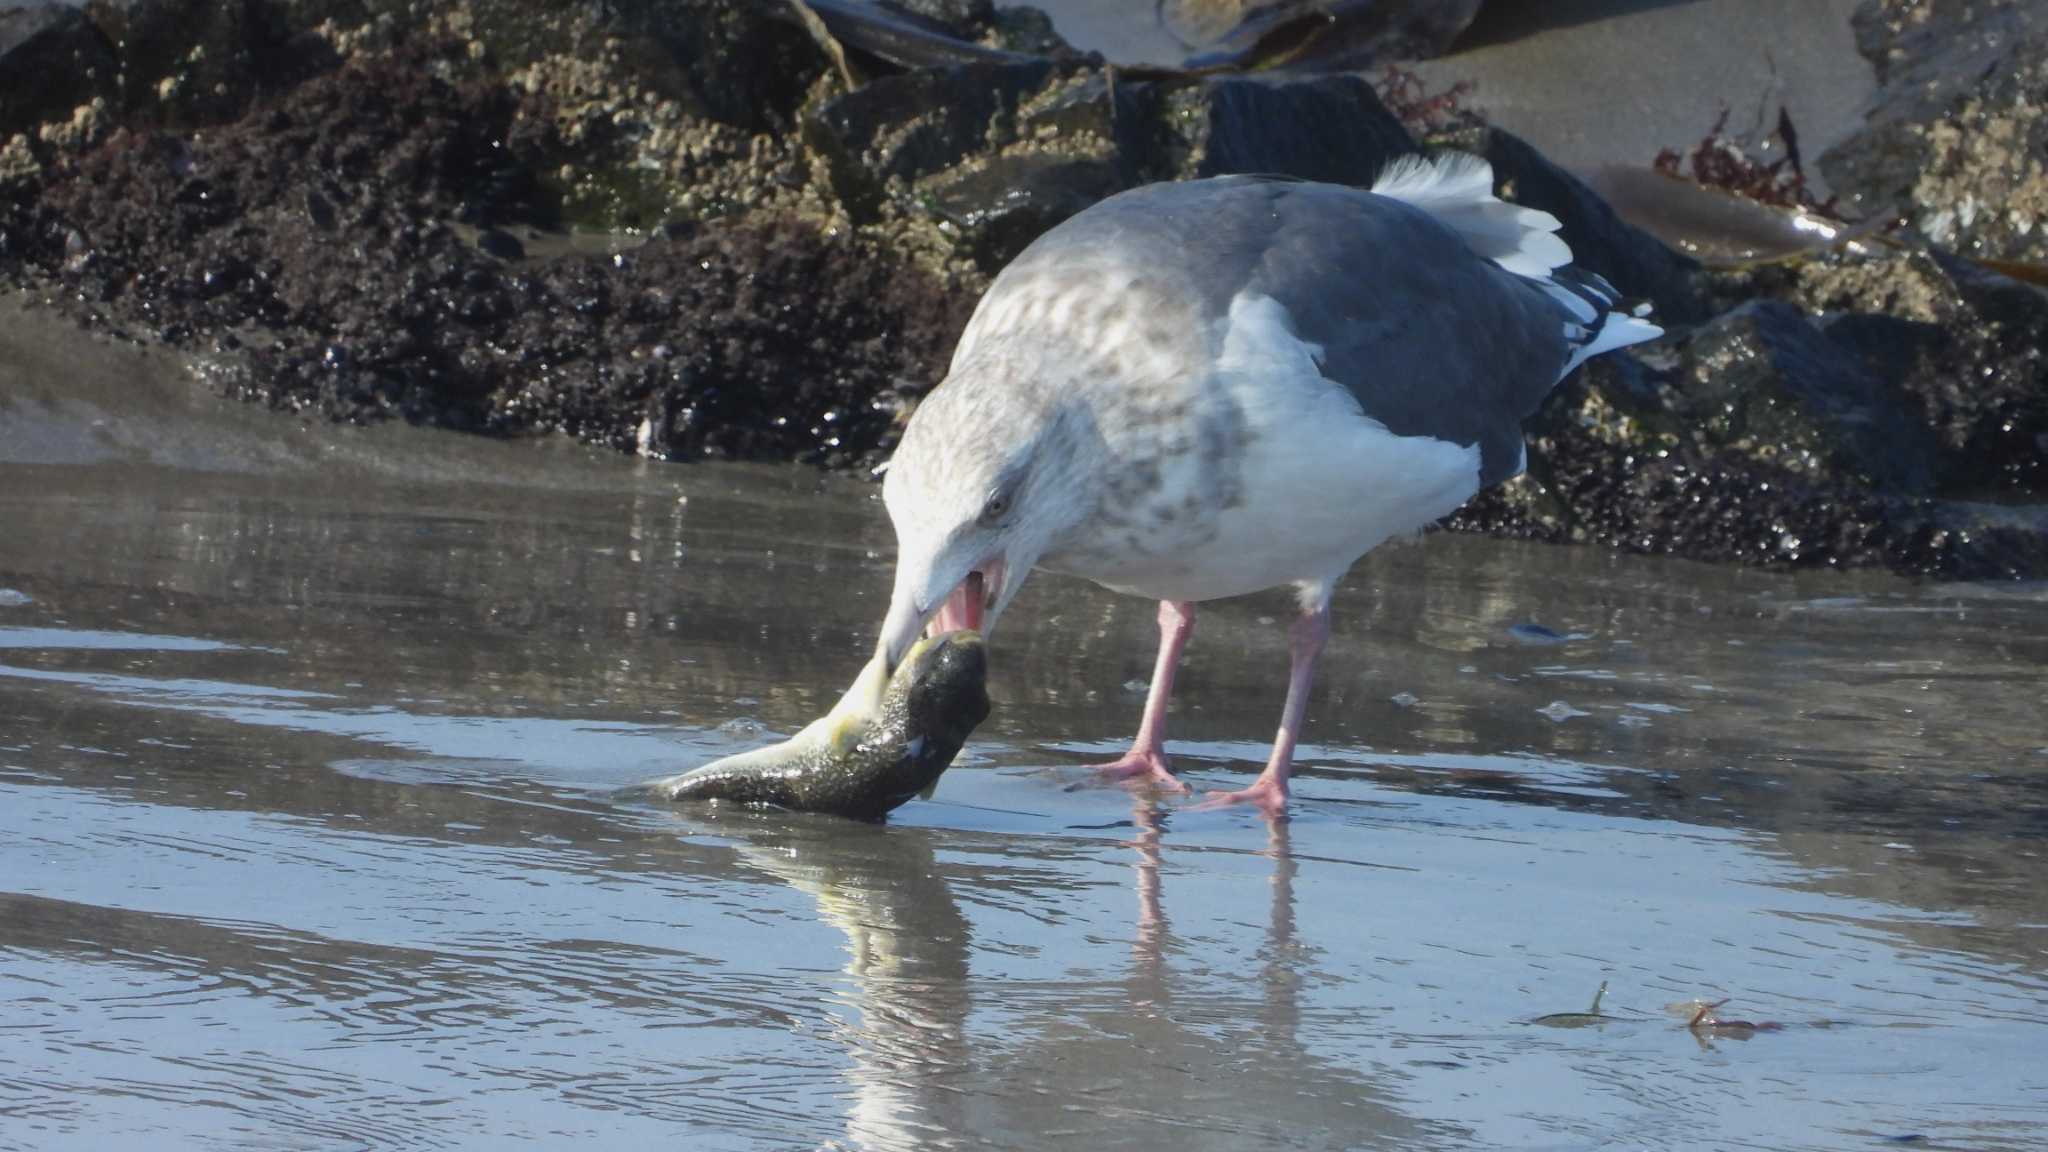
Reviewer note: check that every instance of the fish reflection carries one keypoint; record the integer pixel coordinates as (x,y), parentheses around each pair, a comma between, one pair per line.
(907,945)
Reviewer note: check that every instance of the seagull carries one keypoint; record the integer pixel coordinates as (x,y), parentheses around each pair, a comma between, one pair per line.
(1204,389)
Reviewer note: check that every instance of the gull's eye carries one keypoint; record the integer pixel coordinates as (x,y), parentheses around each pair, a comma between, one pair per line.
(995,507)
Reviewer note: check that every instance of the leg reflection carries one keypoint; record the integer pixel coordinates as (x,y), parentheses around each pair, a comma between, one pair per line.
(1227,1060)
(1284,954)
(1148,971)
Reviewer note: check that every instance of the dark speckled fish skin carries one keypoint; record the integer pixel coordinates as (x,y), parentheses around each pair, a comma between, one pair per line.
(933,703)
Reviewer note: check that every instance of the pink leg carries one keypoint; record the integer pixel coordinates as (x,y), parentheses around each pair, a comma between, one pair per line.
(1305,642)
(1146,761)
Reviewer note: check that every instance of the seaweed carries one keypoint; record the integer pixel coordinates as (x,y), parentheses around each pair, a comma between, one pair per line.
(1423,112)
(1720,160)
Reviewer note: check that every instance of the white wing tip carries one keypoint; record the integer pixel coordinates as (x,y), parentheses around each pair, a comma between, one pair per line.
(1619,331)
(1616,331)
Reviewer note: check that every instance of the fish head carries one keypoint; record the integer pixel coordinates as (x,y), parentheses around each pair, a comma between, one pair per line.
(941,688)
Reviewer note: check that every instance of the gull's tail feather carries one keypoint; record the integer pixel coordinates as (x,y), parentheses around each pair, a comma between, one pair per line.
(1599,324)
(1457,189)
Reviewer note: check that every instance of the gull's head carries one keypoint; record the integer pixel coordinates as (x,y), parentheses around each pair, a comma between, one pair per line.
(984,482)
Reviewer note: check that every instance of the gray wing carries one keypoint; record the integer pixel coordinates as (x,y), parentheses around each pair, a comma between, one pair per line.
(1433,339)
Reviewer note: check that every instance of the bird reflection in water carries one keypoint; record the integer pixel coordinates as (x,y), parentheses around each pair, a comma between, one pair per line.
(1101,1060)
(1282,953)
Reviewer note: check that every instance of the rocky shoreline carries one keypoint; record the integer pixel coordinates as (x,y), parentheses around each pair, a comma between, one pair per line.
(715,228)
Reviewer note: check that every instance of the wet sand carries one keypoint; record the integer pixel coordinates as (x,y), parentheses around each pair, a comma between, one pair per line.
(1596,82)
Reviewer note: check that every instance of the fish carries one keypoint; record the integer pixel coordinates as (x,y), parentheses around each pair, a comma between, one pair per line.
(887,740)
(1721,229)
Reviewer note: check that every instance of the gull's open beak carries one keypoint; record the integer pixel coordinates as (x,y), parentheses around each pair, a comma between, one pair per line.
(900,629)
(971,603)
(966,605)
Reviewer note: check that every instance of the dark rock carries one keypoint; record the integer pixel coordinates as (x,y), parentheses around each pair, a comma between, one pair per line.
(1764,438)
(1886,347)
(731,61)
(995,153)
(901,128)
(320,210)
(1972,359)
(1610,464)
(1958,125)
(1000,152)
(177,64)
(1995,297)
(1761,382)
(500,243)
(928,35)
(1987,395)
(1758,440)
(1330,128)
(1989,541)
(194,62)
(775,339)
(964,18)
(1315,34)
(1078,140)
(756,339)
(362,231)
(1639,264)
(1001,205)
(189,63)
(52,60)
(1414,30)
(1027,30)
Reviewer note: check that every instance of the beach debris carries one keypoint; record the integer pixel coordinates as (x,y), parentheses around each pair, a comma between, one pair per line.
(1530,632)
(1591,1017)
(1725,204)
(1701,1020)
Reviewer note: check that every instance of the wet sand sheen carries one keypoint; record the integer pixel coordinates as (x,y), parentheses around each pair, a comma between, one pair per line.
(307,840)
(1589,82)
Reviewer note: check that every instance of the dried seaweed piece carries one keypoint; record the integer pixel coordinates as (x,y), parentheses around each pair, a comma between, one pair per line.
(1421,111)
(1723,161)
(1702,1022)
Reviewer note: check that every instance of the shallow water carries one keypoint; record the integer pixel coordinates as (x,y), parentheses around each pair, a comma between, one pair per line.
(306,841)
